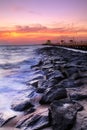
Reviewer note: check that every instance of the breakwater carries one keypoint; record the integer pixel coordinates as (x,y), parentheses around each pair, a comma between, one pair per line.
(55,93)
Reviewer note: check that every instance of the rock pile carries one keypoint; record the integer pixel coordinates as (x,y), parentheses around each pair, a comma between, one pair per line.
(52,103)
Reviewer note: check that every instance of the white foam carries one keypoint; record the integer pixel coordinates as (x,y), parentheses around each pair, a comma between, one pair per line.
(66,105)
(75,50)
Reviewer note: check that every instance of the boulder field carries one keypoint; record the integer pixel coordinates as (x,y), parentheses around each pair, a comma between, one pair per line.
(58,97)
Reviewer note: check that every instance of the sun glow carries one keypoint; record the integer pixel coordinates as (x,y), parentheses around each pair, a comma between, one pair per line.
(14,34)
(35,35)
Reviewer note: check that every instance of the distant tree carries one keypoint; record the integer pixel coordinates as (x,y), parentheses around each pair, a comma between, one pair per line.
(48,42)
(62,41)
(71,41)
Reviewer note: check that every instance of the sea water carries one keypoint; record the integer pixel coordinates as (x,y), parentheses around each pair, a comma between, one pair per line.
(15,71)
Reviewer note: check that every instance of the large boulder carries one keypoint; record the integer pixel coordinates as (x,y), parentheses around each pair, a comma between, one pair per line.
(55,75)
(34,123)
(63,115)
(37,64)
(36,120)
(68,83)
(53,94)
(48,83)
(84,124)
(4,118)
(78,96)
(21,105)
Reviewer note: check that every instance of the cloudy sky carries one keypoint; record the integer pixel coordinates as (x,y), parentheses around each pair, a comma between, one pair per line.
(35,21)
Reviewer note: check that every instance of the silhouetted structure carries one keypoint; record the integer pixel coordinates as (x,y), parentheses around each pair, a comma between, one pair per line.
(62,41)
(71,41)
(74,44)
(48,42)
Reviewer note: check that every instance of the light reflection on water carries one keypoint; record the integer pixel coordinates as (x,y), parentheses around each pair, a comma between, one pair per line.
(15,62)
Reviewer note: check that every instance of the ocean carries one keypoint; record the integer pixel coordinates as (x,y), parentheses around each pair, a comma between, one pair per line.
(15,72)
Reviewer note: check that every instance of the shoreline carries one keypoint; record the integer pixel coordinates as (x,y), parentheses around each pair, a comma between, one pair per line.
(64,71)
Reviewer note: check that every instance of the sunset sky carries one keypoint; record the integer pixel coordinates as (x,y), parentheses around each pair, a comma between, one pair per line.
(35,21)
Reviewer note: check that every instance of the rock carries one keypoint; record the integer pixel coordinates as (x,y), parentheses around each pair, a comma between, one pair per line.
(68,83)
(79,75)
(21,105)
(29,111)
(63,115)
(5,118)
(35,80)
(34,97)
(81,81)
(48,66)
(35,123)
(55,75)
(48,83)
(72,70)
(78,96)
(34,83)
(53,94)
(38,64)
(84,124)
(27,118)
(40,90)
(78,106)
(47,128)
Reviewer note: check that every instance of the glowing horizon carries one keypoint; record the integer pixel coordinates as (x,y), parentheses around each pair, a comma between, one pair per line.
(29,21)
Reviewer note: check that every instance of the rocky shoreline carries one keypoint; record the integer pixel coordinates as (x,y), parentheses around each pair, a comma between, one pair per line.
(58,96)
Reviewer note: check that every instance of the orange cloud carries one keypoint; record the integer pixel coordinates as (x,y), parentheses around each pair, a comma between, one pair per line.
(40,33)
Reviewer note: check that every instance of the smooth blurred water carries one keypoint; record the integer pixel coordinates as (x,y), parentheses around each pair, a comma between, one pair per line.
(15,71)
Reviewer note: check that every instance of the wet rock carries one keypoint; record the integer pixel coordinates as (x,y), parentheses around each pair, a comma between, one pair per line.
(47,128)
(35,80)
(21,105)
(29,111)
(83,74)
(55,75)
(79,75)
(84,124)
(53,94)
(40,90)
(72,70)
(81,81)
(68,83)
(34,97)
(48,66)
(63,115)
(78,106)
(40,112)
(38,64)
(78,96)
(67,100)
(34,83)
(35,123)
(4,119)
(48,83)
